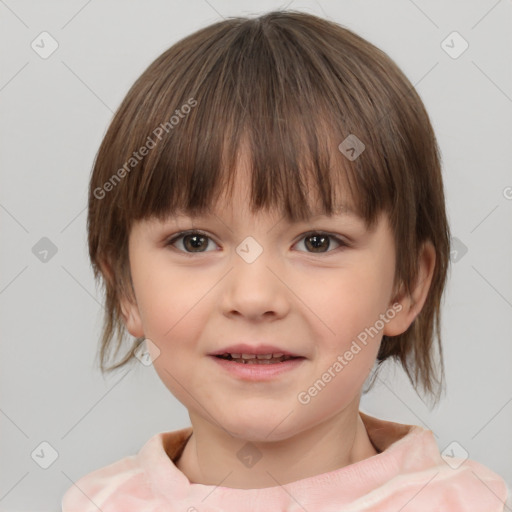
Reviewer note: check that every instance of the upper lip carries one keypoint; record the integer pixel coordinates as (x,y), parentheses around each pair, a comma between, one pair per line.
(244,348)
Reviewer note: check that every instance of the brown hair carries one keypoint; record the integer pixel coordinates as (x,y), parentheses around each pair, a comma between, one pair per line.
(290,87)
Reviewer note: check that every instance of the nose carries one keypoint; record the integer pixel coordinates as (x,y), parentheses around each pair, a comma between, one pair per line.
(255,287)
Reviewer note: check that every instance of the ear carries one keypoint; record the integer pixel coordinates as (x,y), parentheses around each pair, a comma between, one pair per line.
(129,308)
(411,304)
(131,317)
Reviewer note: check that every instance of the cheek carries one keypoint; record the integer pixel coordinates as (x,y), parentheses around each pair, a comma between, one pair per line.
(174,310)
(353,303)
(174,306)
(349,346)
(169,299)
(338,383)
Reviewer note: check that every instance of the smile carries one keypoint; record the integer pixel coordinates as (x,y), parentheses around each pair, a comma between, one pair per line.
(253,368)
(256,358)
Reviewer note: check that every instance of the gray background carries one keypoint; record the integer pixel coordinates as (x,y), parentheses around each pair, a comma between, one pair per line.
(54,114)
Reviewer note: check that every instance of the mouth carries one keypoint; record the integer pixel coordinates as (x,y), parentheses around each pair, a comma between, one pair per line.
(274,358)
(258,367)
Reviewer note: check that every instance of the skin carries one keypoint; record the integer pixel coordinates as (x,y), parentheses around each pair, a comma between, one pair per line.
(313,304)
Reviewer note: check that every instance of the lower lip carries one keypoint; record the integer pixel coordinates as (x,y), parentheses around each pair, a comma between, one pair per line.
(258,371)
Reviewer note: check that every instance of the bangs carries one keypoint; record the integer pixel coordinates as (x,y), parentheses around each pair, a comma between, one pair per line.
(260,92)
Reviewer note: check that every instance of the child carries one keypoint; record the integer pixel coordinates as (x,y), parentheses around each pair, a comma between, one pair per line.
(267,213)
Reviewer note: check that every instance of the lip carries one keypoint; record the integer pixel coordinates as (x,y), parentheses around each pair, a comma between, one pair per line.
(258,372)
(245,348)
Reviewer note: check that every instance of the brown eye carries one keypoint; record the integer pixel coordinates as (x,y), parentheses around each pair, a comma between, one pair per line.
(317,243)
(191,242)
(195,243)
(321,242)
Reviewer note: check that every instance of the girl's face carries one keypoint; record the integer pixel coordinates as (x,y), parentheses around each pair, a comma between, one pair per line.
(321,290)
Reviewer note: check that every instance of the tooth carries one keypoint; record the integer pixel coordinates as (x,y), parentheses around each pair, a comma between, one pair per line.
(279,354)
(236,356)
(248,356)
(264,356)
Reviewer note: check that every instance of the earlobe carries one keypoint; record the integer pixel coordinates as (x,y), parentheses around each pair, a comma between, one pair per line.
(131,317)
(129,309)
(412,303)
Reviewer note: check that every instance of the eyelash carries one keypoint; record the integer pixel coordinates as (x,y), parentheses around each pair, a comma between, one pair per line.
(342,243)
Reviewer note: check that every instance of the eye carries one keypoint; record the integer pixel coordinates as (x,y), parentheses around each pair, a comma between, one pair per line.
(318,242)
(191,241)
(194,241)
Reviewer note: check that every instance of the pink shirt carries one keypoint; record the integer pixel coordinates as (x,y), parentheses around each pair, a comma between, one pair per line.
(408,475)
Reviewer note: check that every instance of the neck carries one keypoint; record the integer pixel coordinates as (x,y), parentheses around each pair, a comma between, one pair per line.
(213,457)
